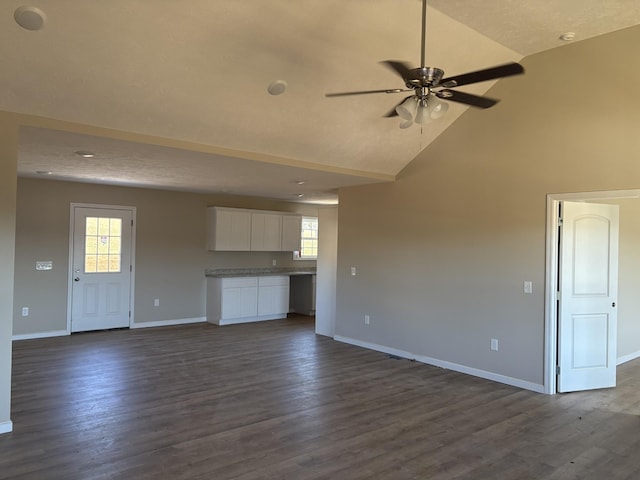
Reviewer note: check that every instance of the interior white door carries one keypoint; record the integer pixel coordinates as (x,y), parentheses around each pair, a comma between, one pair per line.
(101,268)
(588,280)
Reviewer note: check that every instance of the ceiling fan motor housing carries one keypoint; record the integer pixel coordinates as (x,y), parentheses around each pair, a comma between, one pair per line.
(424,77)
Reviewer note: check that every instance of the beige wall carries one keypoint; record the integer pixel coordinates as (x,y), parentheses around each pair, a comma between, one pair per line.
(442,253)
(8,167)
(171,253)
(628,277)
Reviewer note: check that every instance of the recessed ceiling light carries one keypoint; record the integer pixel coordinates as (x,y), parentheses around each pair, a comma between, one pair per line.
(30,18)
(300,195)
(43,172)
(85,154)
(277,87)
(568,36)
(300,182)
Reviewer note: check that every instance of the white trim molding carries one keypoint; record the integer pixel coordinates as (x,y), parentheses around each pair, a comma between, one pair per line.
(32,336)
(6,427)
(160,323)
(514,382)
(168,323)
(627,358)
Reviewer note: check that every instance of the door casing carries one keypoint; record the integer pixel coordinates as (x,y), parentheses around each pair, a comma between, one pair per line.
(72,208)
(551,277)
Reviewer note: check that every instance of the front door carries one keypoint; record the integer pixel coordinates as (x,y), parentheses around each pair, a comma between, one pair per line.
(587,321)
(101,267)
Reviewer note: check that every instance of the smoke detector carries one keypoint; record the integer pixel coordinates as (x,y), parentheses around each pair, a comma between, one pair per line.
(30,18)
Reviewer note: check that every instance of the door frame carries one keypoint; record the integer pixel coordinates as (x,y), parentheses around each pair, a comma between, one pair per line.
(72,208)
(551,273)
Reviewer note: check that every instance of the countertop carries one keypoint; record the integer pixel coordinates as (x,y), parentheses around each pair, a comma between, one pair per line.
(258,272)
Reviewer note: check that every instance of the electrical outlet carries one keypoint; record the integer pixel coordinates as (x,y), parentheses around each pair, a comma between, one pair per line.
(156,302)
(367,319)
(494,344)
(273,262)
(25,311)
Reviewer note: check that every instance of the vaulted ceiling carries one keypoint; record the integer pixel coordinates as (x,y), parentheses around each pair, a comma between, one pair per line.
(188,83)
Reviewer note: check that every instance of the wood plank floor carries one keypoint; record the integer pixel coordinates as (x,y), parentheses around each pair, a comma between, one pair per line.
(273,401)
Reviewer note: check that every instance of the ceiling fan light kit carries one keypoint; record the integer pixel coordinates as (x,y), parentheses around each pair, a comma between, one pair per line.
(420,111)
(429,85)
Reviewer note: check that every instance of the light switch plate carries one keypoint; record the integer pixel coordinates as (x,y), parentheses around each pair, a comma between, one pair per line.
(44,265)
(528,286)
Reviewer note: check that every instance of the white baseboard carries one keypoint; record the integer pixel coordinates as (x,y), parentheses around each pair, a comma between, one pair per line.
(6,427)
(628,358)
(259,318)
(167,323)
(31,336)
(514,382)
(161,323)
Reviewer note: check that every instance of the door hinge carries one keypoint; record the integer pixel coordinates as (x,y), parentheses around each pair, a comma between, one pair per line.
(132,222)
(560,213)
(557,369)
(558,295)
(130,268)
(129,313)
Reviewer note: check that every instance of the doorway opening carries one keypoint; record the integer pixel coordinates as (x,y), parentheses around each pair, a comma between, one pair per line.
(101,273)
(552,268)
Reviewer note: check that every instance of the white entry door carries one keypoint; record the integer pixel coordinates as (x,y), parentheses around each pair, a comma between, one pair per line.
(101,268)
(587,321)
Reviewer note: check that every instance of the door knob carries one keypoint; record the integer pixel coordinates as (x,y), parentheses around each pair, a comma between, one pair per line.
(77,279)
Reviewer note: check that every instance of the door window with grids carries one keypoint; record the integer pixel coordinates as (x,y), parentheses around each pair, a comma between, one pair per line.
(103,245)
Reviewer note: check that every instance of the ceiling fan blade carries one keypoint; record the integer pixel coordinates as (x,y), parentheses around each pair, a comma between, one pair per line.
(393,113)
(365,92)
(482,75)
(466,98)
(401,68)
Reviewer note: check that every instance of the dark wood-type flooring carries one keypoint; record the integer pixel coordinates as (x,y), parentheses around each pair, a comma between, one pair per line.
(273,401)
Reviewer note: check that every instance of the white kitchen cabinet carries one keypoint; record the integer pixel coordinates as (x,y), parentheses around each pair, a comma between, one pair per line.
(291,232)
(239,297)
(266,231)
(273,296)
(247,299)
(231,300)
(228,229)
(242,230)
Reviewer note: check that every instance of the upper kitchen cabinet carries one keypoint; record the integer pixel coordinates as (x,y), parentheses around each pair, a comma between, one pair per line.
(228,229)
(266,232)
(241,230)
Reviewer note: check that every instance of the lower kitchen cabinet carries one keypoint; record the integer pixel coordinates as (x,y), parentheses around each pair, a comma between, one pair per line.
(247,299)
(273,295)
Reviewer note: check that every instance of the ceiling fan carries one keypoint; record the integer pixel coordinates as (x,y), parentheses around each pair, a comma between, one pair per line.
(428,86)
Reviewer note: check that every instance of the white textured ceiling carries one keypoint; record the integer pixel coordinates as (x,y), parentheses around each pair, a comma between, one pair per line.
(197,75)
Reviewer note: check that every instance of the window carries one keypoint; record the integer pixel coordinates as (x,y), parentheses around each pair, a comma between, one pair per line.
(102,245)
(308,239)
